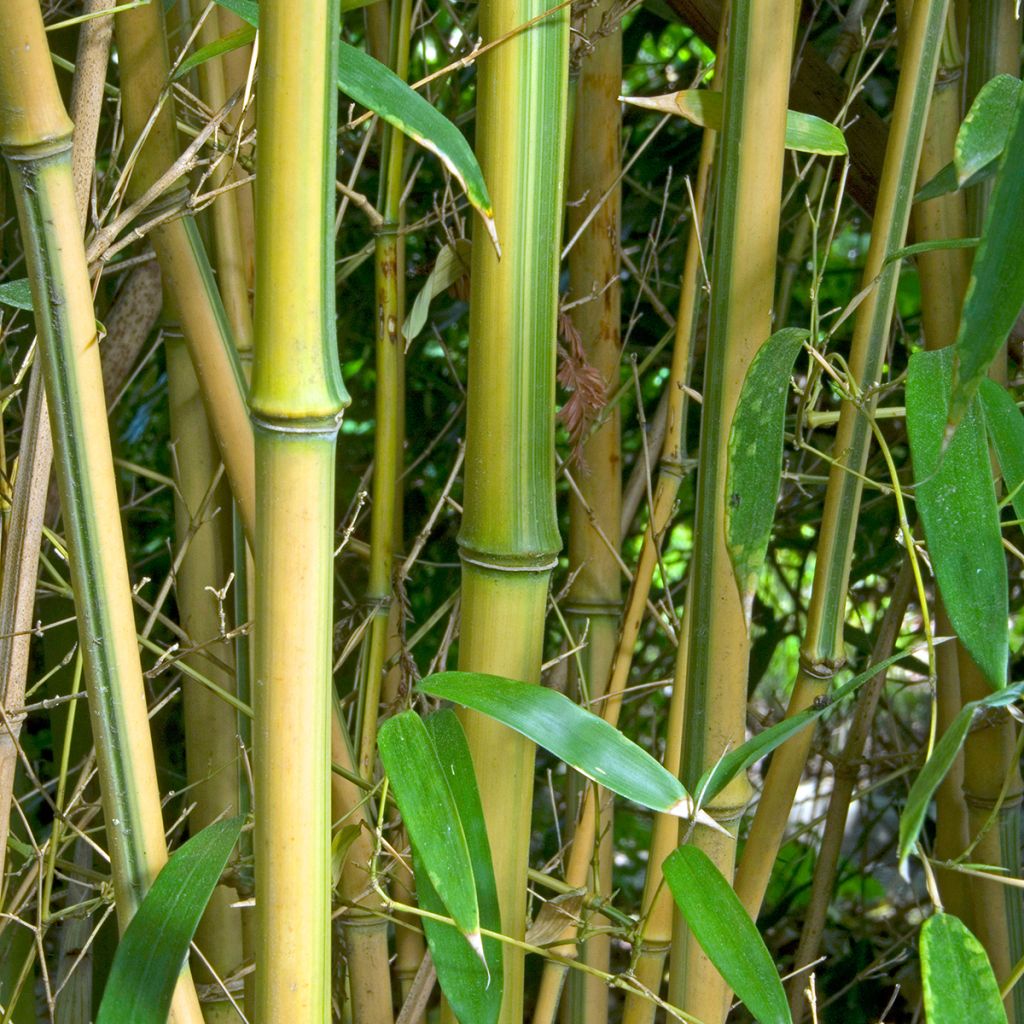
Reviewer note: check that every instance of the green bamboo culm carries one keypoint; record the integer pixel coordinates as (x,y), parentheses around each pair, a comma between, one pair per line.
(509,536)
(35,137)
(822,652)
(748,189)
(296,402)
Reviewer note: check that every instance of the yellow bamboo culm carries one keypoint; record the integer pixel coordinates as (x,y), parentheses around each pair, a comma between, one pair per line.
(35,138)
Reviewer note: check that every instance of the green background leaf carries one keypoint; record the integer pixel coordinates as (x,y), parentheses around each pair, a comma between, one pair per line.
(17,294)
(1005,424)
(474,988)
(581,739)
(726,933)
(956,500)
(959,984)
(152,951)
(431,817)
(755,456)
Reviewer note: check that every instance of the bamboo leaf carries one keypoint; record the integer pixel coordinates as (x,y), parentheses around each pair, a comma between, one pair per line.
(755,457)
(581,739)
(376,87)
(247,10)
(152,951)
(986,128)
(16,294)
(451,265)
(929,778)
(431,817)
(959,983)
(805,133)
(726,933)
(937,766)
(995,294)
(241,37)
(716,778)
(1005,424)
(956,500)
(473,987)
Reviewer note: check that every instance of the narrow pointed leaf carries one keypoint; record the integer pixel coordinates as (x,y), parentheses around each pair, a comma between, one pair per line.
(805,133)
(247,10)
(16,294)
(941,184)
(1005,424)
(431,817)
(755,456)
(983,135)
(473,987)
(959,984)
(581,739)
(376,87)
(929,778)
(716,778)
(995,294)
(956,500)
(152,951)
(726,933)
(938,765)
(241,37)
(451,265)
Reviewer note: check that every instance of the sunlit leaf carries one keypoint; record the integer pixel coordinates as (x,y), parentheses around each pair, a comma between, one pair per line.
(995,294)
(150,956)
(983,135)
(431,818)
(956,500)
(581,739)
(472,986)
(16,294)
(805,133)
(755,457)
(959,984)
(726,933)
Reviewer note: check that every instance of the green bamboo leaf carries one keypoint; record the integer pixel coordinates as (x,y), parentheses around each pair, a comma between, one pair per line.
(581,739)
(726,933)
(152,951)
(1005,424)
(956,500)
(376,87)
(937,766)
(805,133)
(986,128)
(995,294)
(451,265)
(715,779)
(431,818)
(755,457)
(473,987)
(959,983)
(16,294)
(929,778)
(247,10)
(241,37)
(941,184)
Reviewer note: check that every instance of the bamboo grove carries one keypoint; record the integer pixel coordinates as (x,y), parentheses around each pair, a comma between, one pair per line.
(511,511)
